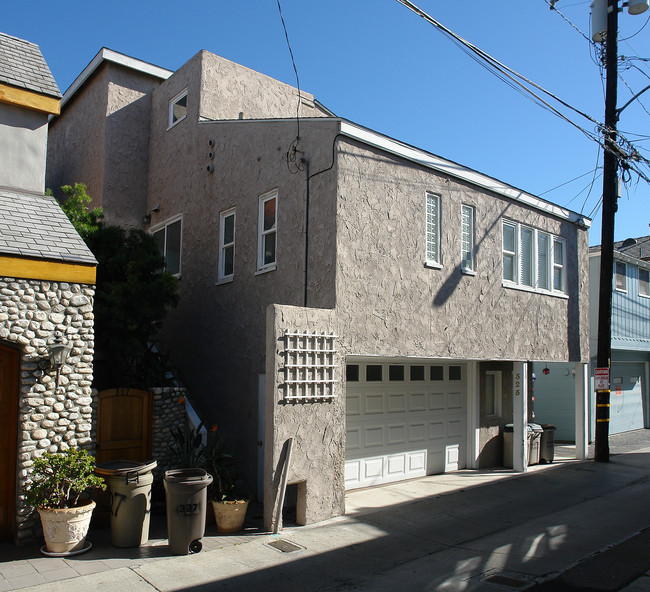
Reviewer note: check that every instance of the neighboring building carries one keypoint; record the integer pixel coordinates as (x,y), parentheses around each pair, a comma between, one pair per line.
(47,277)
(630,348)
(372,303)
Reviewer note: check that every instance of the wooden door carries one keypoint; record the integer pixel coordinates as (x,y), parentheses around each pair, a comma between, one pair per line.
(9,361)
(124,421)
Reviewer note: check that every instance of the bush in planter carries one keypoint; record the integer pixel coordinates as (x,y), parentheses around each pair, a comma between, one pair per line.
(229,494)
(57,482)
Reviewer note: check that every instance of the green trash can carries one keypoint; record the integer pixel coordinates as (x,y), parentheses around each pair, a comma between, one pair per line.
(129,483)
(186,498)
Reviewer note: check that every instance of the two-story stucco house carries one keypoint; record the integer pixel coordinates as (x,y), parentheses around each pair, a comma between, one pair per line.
(47,286)
(372,304)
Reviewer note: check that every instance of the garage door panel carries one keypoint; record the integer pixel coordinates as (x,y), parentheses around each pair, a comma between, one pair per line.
(399,428)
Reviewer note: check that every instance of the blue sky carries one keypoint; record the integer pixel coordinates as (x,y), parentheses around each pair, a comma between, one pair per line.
(380,65)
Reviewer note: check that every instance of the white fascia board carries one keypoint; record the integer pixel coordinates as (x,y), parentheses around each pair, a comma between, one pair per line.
(459,171)
(108,55)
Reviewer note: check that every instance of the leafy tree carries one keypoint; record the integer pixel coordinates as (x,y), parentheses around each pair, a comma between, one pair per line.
(132,295)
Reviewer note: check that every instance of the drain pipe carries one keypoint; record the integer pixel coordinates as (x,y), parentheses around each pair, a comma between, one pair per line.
(306,264)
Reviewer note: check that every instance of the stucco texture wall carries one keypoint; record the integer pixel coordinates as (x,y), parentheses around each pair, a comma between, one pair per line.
(216,335)
(394,305)
(316,427)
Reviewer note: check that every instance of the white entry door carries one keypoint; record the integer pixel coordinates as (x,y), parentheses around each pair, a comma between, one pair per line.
(404,420)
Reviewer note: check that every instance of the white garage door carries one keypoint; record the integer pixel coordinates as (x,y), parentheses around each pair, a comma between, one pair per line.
(626,397)
(404,420)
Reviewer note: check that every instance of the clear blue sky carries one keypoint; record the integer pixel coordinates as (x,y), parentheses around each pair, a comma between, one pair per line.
(378,64)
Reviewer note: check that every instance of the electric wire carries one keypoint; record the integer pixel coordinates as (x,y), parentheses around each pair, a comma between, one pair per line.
(589,172)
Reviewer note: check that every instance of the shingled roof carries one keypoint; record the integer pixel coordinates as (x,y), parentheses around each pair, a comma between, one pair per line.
(22,65)
(33,225)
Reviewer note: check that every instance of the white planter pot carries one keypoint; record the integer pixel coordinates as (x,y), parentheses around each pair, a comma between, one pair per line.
(65,529)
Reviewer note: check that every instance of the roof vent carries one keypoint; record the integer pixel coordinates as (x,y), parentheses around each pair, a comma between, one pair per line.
(629,242)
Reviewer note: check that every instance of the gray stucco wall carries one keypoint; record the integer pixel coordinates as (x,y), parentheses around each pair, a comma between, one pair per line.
(23,137)
(394,305)
(102,139)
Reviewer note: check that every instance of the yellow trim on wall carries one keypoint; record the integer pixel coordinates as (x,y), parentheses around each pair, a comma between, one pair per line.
(35,269)
(29,100)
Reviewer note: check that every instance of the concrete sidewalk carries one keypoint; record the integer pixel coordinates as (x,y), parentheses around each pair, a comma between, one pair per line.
(471,530)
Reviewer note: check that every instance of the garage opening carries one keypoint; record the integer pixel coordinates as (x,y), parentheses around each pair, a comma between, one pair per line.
(405,419)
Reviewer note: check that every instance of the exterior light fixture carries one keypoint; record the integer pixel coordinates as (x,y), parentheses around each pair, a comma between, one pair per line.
(59,351)
(546,371)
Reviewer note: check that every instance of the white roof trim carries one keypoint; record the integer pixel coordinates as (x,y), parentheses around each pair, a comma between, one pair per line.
(108,55)
(459,171)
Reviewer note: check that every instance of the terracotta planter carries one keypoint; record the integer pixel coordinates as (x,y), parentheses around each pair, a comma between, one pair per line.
(65,529)
(230,516)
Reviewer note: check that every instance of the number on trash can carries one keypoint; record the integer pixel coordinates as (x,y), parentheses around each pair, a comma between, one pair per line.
(187,509)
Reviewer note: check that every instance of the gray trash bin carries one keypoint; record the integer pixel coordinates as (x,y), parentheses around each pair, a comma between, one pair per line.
(129,483)
(186,498)
(534,440)
(547,444)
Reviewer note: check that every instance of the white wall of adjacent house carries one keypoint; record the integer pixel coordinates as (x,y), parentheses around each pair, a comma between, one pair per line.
(23,144)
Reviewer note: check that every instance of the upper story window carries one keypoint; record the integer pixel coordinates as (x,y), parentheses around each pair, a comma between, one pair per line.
(168,238)
(267,231)
(226,246)
(467,239)
(433,230)
(177,108)
(644,282)
(532,259)
(620,275)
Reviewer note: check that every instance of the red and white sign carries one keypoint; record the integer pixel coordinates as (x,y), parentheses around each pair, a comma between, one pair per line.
(601,379)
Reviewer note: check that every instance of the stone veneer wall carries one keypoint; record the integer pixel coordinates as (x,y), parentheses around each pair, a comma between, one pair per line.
(168,413)
(50,419)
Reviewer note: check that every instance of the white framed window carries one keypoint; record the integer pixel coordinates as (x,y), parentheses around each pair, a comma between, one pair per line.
(267,231)
(467,239)
(493,393)
(226,246)
(620,276)
(168,237)
(533,260)
(432,205)
(644,283)
(177,108)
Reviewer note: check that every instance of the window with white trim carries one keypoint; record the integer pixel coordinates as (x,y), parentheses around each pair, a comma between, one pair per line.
(531,258)
(644,283)
(433,230)
(177,108)
(226,246)
(168,237)
(620,275)
(267,231)
(467,238)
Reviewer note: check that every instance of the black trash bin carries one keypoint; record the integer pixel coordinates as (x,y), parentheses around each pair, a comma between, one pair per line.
(186,498)
(547,444)
(129,483)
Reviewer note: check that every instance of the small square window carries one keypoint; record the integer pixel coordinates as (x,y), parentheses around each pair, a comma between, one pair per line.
(177,108)
(417,373)
(374,373)
(352,372)
(396,373)
(455,373)
(437,373)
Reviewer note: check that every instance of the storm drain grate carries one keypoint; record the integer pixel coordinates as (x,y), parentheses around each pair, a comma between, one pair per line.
(507,581)
(284,546)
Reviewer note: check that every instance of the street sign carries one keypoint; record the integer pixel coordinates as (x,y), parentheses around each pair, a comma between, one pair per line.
(601,379)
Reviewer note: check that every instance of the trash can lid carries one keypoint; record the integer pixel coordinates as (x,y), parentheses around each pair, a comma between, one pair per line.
(188,476)
(548,426)
(535,427)
(125,467)
(509,427)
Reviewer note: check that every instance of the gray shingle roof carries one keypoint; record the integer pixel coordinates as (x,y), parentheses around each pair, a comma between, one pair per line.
(635,247)
(33,225)
(22,65)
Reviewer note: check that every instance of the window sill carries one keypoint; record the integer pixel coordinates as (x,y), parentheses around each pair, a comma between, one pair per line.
(470,272)
(534,291)
(227,280)
(432,265)
(266,269)
(171,125)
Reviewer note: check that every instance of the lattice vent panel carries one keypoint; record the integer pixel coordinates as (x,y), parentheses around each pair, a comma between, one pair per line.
(309,366)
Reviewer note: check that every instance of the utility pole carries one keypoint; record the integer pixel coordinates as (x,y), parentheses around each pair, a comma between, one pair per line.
(610,196)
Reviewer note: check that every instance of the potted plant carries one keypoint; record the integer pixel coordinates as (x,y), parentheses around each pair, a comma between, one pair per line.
(57,488)
(228,491)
